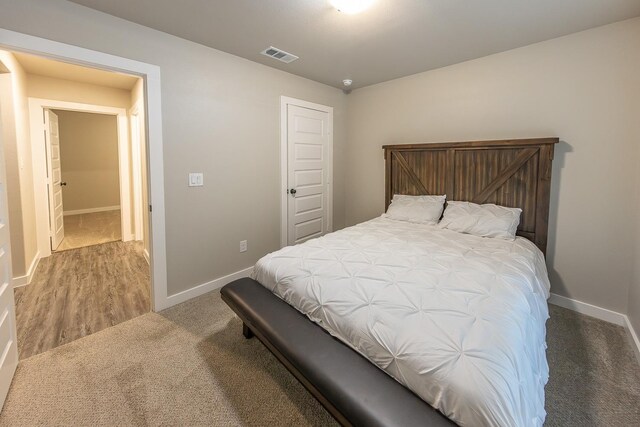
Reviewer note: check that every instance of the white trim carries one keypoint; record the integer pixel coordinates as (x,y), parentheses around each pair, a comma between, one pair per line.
(27,278)
(633,337)
(146,256)
(602,314)
(284,213)
(91,210)
(124,172)
(136,171)
(284,102)
(207,287)
(40,192)
(12,40)
(588,309)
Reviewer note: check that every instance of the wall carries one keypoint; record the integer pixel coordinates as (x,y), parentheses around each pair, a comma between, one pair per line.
(221,116)
(89,156)
(70,91)
(7,121)
(583,88)
(17,152)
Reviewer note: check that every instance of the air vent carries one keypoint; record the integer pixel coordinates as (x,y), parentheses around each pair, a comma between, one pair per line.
(278,54)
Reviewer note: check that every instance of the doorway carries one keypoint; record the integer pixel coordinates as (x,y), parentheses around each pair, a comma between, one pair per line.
(72,175)
(94,188)
(306,170)
(155,251)
(152,129)
(89,179)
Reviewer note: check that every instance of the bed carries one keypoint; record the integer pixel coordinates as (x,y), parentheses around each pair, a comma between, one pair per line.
(457,320)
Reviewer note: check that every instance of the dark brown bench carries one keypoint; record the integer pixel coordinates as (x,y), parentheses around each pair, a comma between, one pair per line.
(350,387)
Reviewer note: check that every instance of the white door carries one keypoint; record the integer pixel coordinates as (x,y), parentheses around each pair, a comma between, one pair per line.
(54,179)
(308,141)
(8,344)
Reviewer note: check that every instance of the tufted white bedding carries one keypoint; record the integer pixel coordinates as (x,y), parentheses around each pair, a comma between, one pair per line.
(458,319)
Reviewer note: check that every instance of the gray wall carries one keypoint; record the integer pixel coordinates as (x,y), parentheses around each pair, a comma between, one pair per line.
(221,116)
(89,159)
(583,88)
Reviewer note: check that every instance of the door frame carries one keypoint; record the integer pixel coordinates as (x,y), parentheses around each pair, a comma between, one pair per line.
(136,170)
(11,40)
(39,156)
(285,101)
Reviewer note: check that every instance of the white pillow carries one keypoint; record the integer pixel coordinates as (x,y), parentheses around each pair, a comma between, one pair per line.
(481,220)
(418,209)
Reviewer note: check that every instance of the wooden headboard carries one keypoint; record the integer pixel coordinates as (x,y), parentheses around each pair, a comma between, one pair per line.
(514,173)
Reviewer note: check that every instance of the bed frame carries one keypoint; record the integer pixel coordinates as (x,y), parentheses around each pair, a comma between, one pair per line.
(515,173)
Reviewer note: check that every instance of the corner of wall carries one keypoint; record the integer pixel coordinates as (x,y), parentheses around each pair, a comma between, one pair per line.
(634,339)
(17,149)
(633,300)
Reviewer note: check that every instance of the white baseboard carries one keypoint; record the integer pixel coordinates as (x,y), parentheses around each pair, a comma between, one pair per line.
(27,278)
(602,314)
(91,210)
(588,309)
(633,337)
(206,287)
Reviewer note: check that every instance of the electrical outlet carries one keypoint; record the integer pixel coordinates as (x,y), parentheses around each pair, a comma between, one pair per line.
(196,179)
(243,246)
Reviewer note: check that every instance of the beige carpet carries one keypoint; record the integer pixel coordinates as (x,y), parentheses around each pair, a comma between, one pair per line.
(594,374)
(190,365)
(90,229)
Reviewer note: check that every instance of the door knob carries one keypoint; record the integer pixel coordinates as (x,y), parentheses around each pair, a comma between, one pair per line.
(63,184)
(293,191)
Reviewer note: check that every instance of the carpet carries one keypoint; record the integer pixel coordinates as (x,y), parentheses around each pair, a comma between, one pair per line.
(190,365)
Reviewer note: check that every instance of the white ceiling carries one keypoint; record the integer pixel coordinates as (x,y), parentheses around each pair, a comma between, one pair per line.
(394,38)
(49,68)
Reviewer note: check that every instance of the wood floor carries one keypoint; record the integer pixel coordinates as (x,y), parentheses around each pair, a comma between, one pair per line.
(91,229)
(77,292)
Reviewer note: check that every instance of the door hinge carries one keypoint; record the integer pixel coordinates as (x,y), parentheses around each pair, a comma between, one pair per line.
(150,208)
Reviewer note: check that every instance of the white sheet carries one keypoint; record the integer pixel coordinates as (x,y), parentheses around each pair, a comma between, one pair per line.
(458,319)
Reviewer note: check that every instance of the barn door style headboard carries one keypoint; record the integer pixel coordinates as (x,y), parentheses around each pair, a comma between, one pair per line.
(513,173)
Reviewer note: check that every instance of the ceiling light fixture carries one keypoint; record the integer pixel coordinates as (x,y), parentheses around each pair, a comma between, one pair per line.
(347,82)
(351,7)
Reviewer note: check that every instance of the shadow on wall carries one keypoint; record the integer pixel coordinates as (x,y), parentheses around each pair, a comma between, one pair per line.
(560,153)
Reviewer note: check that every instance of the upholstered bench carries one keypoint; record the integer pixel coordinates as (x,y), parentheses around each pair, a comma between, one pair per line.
(351,388)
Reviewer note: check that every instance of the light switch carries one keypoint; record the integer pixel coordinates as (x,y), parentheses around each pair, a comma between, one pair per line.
(196,179)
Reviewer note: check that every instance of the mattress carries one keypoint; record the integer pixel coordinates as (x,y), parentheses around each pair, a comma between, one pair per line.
(457,319)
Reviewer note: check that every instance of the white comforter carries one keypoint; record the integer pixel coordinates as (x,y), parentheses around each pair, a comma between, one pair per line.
(458,319)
